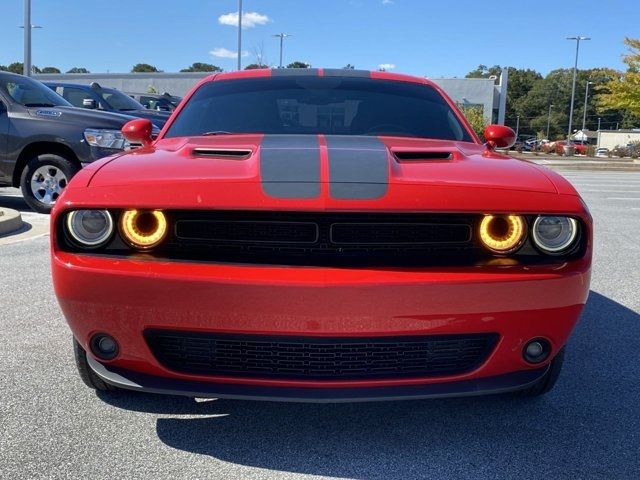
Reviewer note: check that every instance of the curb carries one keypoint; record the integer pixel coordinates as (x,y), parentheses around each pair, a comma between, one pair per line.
(10,220)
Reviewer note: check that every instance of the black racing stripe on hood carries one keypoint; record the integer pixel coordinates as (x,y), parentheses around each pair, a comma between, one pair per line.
(358,167)
(290,166)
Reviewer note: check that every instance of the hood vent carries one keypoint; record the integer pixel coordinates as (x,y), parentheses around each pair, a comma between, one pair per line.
(224,153)
(424,156)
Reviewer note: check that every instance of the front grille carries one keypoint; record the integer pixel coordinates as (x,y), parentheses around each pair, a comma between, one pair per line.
(309,238)
(319,358)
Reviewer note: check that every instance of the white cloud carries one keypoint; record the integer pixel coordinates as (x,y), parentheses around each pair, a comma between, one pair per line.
(386,66)
(387,2)
(249,19)
(224,53)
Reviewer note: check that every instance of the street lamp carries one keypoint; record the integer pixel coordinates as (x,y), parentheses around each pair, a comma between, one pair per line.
(282,36)
(573,86)
(584,114)
(549,120)
(239,34)
(26,65)
(517,126)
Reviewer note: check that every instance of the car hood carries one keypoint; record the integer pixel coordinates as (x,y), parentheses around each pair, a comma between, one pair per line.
(264,171)
(91,118)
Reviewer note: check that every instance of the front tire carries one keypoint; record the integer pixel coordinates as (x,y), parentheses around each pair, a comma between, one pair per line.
(87,375)
(547,382)
(44,178)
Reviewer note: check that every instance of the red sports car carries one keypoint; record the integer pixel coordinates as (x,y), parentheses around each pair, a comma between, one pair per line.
(319,235)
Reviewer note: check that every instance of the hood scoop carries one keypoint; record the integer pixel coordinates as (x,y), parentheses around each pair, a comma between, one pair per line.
(222,153)
(406,156)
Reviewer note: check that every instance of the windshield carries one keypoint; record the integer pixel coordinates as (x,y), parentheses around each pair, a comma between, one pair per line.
(118,100)
(30,93)
(318,105)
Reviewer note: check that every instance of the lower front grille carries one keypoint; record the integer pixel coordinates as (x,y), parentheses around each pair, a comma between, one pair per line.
(317,358)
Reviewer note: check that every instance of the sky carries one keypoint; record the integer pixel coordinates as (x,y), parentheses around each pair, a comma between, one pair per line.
(420,37)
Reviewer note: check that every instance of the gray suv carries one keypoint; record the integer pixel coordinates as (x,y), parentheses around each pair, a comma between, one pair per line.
(44,140)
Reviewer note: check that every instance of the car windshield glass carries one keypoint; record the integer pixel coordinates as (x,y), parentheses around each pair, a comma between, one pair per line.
(118,100)
(30,93)
(319,105)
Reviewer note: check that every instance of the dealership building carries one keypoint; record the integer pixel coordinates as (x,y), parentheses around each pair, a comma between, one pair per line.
(485,93)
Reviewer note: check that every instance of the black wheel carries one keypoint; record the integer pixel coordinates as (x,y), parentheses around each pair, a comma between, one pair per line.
(87,375)
(44,178)
(547,382)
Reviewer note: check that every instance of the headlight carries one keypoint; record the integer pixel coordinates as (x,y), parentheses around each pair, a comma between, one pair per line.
(502,233)
(105,138)
(143,229)
(554,234)
(90,228)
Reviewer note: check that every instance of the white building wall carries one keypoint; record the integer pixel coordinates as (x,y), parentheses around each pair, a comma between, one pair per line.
(612,138)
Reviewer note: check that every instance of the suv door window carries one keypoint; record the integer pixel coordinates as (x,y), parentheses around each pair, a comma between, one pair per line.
(75,96)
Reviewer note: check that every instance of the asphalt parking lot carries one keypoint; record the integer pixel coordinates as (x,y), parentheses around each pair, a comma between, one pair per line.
(52,426)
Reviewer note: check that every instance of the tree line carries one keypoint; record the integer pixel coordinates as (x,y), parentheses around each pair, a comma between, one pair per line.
(614,97)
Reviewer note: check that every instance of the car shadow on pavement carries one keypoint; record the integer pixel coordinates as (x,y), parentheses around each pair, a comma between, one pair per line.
(15,202)
(586,427)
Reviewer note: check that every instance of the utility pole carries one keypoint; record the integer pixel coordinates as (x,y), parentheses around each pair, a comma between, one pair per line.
(282,36)
(584,114)
(573,86)
(239,34)
(517,126)
(26,65)
(549,120)
(598,123)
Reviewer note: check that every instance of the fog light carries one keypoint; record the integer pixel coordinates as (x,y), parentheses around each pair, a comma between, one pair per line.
(104,346)
(536,350)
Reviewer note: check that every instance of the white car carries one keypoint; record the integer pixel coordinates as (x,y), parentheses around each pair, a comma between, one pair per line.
(602,152)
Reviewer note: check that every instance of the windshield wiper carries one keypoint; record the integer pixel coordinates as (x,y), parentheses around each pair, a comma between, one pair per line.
(224,132)
(39,105)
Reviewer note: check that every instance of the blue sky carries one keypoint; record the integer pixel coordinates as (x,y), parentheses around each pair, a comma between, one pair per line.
(419,37)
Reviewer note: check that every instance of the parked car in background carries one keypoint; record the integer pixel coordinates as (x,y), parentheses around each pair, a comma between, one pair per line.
(267,246)
(579,147)
(95,97)
(44,140)
(602,152)
(162,102)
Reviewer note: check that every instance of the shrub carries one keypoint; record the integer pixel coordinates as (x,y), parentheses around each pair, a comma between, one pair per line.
(591,151)
(620,151)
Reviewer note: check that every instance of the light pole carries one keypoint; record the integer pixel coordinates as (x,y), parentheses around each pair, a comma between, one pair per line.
(282,36)
(239,34)
(517,126)
(573,86)
(598,123)
(584,114)
(549,120)
(26,66)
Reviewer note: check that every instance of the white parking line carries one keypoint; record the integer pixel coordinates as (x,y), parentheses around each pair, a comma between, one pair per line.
(623,198)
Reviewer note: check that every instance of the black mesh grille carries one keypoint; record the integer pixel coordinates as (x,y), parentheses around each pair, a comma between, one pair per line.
(309,238)
(319,357)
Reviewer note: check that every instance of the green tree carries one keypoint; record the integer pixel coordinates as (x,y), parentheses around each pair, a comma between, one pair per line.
(51,70)
(623,91)
(348,66)
(143,68)
(3,68)
(254,66)
(482,71)
(298,64)
(202,67)
(475,118)
(78,70)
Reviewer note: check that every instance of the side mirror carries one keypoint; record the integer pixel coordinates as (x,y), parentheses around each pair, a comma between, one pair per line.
(499,136)
(89,103)
(138,131)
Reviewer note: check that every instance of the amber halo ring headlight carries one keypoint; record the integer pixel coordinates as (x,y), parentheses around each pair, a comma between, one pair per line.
(143,229)
(553,234)
(502,233)
(89,228)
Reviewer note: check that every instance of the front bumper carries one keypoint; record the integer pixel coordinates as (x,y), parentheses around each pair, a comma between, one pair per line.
(124,297)
(153,384)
